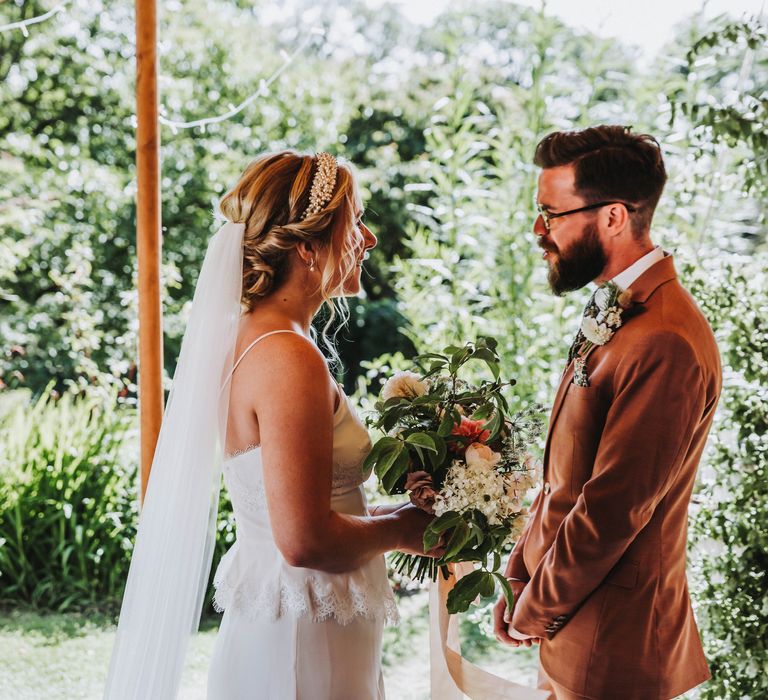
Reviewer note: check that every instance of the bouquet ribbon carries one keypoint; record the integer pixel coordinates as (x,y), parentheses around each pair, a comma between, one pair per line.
(452,677)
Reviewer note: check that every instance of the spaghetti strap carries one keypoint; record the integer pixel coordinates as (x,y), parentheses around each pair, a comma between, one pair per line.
(245,352)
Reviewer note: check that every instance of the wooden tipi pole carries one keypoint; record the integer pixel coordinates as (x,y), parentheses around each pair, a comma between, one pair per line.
(148,241)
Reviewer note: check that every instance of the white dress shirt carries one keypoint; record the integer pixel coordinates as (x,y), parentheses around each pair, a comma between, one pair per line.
(627,277)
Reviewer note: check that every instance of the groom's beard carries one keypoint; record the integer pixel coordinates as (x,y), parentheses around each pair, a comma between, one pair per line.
(579,264)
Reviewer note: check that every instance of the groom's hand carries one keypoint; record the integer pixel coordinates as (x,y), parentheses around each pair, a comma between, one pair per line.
(501,617)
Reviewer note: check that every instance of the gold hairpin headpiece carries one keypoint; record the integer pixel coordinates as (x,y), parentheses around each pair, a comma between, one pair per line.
(322,184)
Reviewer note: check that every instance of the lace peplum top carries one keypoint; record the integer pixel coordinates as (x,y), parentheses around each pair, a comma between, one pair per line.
(254,579)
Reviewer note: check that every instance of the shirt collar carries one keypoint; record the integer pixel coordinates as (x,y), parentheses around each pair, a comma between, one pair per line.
(625,279)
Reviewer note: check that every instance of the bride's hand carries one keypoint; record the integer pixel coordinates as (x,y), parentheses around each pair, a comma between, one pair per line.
(413,522)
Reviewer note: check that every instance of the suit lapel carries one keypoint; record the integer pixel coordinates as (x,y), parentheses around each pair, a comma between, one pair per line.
(567,378)
(560,395)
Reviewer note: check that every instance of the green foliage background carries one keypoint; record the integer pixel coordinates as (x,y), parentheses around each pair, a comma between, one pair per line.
(441,123)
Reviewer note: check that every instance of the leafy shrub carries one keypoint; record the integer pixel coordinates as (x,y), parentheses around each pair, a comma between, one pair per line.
(67,509)
(730,532)
(69,501)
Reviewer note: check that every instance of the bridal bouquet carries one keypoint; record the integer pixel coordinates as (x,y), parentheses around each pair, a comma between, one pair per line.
(460,453)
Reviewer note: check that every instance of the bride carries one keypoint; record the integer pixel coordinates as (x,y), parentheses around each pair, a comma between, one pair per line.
(304,588)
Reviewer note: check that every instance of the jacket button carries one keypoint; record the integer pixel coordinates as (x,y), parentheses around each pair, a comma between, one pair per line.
(547,488)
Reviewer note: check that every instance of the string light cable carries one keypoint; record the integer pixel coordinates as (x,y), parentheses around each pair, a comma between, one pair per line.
(23,24)
(262,91)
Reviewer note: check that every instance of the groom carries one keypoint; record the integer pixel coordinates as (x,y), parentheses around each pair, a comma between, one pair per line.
(599,572)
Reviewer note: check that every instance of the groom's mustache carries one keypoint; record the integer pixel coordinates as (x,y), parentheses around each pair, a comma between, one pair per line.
(549,247)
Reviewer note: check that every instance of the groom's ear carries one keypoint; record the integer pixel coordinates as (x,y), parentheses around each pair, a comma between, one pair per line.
(614,219)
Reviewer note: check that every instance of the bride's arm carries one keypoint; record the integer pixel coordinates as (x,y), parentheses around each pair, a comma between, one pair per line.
(293,398)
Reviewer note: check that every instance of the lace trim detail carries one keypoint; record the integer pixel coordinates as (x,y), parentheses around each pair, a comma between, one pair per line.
(244,450)
(348,472)
(307,600)
(253,497)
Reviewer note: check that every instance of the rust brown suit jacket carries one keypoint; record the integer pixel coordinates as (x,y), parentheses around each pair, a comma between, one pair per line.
(604,552)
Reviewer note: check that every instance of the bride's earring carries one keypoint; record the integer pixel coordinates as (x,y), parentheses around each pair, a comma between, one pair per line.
(312,265)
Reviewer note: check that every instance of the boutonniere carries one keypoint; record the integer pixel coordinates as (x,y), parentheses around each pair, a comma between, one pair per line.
(602,318)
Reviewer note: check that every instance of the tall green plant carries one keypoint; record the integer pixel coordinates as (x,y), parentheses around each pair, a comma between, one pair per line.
(730,531)
(474,267)
(67,512)
(717,104)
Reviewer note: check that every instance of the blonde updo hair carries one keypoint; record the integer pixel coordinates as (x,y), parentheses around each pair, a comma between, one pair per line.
(270,198)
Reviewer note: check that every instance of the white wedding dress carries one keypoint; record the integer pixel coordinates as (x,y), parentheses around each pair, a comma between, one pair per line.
(290,633)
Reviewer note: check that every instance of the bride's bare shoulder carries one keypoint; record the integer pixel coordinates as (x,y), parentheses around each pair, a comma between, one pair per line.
(274,345)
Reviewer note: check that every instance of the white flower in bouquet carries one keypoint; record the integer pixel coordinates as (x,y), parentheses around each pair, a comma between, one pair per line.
(479,486)
(405,385)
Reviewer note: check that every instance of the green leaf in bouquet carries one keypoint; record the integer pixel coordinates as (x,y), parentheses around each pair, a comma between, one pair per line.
(451,349)
(431,356)
(438,526)
(392,403)
(488,587)
(487,341)
(459,537)
(485,355)
(396,470)
(465,591)
(501,402)
(487,546)
(496,560)
(421,458)
(445,521)
(481,519)
(390,419)
(483,412)
(446,424)
(396,401)
(494,425)
(375,454)
(389,454)
(423,400)
(438,458)
(499,532)
(458,358)
(422,440)
(506,589)
(433,369)
(467,399)
(477,533)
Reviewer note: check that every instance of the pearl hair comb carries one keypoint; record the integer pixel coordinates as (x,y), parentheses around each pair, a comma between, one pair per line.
(322,184)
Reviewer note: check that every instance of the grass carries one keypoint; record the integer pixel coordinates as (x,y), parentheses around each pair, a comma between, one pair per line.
(66,656)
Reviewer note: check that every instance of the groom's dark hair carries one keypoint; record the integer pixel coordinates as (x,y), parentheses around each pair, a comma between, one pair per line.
(610,163)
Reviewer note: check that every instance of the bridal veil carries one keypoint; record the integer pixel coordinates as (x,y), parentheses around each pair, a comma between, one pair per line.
(172,555)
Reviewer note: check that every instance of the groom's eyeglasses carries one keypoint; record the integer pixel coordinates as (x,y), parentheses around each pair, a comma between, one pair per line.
(547,216)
